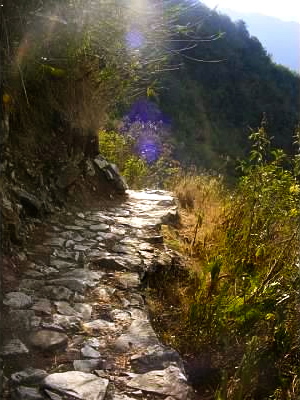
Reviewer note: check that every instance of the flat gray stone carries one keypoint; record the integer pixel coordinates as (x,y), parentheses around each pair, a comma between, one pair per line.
(13,348)
(104,293)
(118,230)
(86,365)
(99,326)
(130,241)
(140,222)
(62,254)
(85,274)
(29,376)
(120,212)
(53,327)
(73,235)
(169,382)
(66,321)
(110,262)
(137,313)
(155,358)
(139,335)
(23,320)
(88,235)
(132,261)
(68,175)
(134,300)
(80,247)
(107,236)
(81,385)
(146,247)
(32,274)
(99,228)
(128,280)
(78,297)
(64,308)
(171,217)
(122,249)
(42,306)
(27,393)
(57,292)
(56,242)
(78,280)
(29,201)
(88,352)
(101,163)
(70,244)
(47,270)
(67,234)
(17,300)
(74,284)
(150,195)
(82,223)
(62,264)
(31,284)
(74,227)
(155,239)
(94,253)
(93,342)
(83,310)
(120,315)
(48,340)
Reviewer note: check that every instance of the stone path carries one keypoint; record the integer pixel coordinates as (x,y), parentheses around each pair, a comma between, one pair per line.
(78,327)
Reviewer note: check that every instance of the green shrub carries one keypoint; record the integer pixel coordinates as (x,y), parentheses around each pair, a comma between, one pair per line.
(244,308)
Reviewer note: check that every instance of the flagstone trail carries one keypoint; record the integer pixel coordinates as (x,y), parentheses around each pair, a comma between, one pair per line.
(78,327)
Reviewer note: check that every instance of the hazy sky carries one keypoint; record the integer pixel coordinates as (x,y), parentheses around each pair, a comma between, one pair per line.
(288,10)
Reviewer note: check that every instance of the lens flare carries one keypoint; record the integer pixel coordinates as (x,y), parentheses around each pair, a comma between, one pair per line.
(148,149)
(134,39)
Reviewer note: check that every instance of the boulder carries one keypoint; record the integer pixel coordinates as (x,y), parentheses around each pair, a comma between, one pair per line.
(139,335)
(68,175)
(17,300)
(48,340)
(29,376)
(86,365)
(155,358)
(76,384)
(30,203)
(88,352)
(13,348)
(169,382)
(111,173)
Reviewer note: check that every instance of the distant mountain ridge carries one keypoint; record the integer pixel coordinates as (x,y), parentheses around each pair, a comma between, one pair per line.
(280,38)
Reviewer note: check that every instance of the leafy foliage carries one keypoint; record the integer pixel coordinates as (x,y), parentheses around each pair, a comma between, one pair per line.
(243,304)
(124,149)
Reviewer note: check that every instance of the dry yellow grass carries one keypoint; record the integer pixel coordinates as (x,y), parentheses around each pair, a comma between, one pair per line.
(202,199)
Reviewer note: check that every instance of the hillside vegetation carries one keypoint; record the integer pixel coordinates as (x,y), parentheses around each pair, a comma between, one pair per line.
(222,89)
(233,310)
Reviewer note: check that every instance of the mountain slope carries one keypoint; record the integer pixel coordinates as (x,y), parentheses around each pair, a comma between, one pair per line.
(214,105)
(280,38)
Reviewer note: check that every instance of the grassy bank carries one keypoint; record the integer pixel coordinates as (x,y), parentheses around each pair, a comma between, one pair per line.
(233,309)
